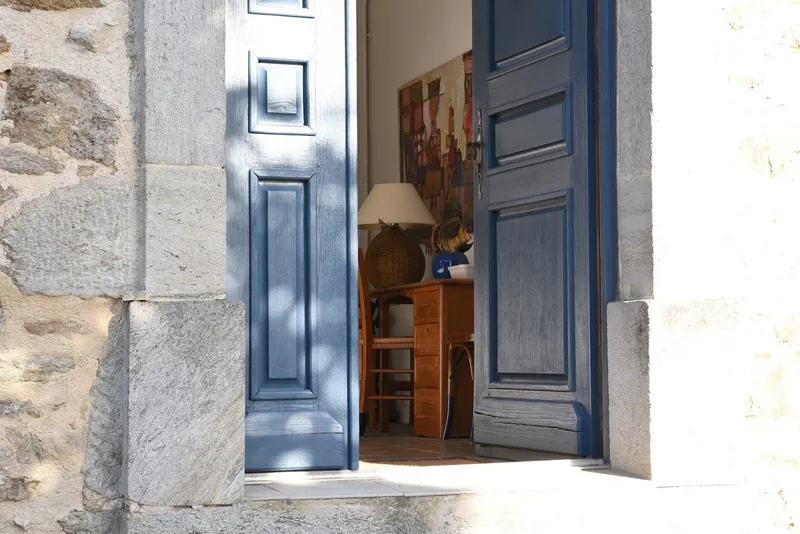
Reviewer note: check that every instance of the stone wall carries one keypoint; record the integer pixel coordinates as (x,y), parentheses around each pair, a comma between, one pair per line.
(50,348)
(112,192)
(763,54)
(68,227)
(706,329)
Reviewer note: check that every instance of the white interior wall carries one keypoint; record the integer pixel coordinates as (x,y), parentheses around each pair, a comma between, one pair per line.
(405,39)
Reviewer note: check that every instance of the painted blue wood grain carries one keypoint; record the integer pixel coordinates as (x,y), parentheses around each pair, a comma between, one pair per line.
(536,229)
(279,335)
(283,8)
(286,270)
(288,440)
(280,96)
(532,325)
(512,87)
(278,3)
(559,426)
(522,25)
(512,183)
(284,90)
(279,233)
(526,131)
(291,215)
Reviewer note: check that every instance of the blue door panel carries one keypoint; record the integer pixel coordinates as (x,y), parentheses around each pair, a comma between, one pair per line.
(537,318)
(521,26)
(285,440)
(279,337)
(291,207)
(535,226)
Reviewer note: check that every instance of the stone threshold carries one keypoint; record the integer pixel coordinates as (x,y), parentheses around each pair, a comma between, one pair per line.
(382,480)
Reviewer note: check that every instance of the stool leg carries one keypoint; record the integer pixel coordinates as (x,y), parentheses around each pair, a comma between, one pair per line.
(371,389)
(383,411)
(449,413)
(413,387)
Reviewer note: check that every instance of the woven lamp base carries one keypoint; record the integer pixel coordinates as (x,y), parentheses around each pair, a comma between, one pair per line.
(394,259)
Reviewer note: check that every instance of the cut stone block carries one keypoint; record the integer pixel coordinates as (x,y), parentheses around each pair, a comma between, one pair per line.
(185,231)
(675,401)
(185,437)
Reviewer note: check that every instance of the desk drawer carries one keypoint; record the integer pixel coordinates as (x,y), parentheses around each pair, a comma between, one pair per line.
(426,339)
(427,413)
(426,307)
(426,371)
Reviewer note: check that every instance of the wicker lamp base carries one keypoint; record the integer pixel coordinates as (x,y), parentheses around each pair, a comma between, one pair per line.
(394,259)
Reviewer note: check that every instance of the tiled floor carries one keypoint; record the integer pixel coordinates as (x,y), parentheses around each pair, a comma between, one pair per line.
(381,480)
(399,446)
(396,463)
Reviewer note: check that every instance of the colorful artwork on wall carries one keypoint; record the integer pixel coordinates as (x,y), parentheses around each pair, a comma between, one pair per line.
(435,126)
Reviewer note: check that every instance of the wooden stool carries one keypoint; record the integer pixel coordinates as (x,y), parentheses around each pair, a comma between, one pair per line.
(372,368)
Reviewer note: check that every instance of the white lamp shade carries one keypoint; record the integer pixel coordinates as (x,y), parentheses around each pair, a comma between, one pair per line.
(397,203)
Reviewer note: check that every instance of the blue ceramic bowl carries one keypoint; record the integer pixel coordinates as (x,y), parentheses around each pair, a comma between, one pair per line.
(444,260)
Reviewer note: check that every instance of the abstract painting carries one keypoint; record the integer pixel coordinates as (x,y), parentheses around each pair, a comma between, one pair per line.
(435,126)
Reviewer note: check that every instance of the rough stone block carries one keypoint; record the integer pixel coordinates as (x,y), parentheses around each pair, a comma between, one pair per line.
(184,108)
(29,447)
(80,240)
(103,477)
(82,37)
(7,193)
(43,367)
(185,231)
(4,45)
(17,160)
(14,407)
(106,522)
(50,5)
(185,437)
(53,108)
(676,402)
(16,488)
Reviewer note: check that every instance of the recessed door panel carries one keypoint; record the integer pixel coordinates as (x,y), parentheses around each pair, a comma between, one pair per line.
(523,26)
(533,326)
(279,333)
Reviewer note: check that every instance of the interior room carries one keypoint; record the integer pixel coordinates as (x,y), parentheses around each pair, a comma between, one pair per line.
(407,44)
(416,170)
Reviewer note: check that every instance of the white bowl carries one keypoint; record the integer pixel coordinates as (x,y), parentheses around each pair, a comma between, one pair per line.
(466,272)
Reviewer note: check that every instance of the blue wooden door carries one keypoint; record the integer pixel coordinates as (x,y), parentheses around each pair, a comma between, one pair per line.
(535,226)
(291,224)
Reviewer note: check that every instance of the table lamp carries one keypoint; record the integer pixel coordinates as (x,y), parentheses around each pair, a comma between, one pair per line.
(393,258)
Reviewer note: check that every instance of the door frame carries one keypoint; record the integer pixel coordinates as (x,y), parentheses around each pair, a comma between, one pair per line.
(606,132)
(606,198)
(607,211)
(351,58)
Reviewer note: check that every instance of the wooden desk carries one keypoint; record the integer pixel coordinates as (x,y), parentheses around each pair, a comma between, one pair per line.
(442,308)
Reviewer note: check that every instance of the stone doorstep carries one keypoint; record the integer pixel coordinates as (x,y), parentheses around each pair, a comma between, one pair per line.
(601,503)
(380,480)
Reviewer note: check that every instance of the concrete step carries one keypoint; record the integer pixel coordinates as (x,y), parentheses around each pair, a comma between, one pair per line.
(526,497)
